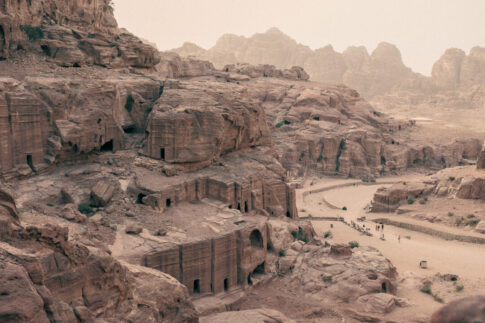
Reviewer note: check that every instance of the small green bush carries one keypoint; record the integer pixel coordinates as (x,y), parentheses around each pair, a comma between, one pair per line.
(437,298)
(472,223)
(320,158)
(423,201)
(410,201)
(281,253)
(426,289)
(353,244)
(372,180)
(327,234)
(344,208)
(365,180)
(279,124)
(85,209)
(49,204)
(451,214)
(33,33)
(327,278)
(300,235)
(451,178)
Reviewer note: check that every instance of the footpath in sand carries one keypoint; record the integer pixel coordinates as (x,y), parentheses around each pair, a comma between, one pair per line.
(467,260)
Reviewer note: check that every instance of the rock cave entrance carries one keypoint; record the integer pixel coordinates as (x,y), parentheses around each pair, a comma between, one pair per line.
(139,199)
(288,214)
(384,287)
(259,270)
(31,163)
(239,206)
(246,207)
(108,146)
(256,239)
(129,129)
(226,284)
(197,286)
(168,202)
(162,153)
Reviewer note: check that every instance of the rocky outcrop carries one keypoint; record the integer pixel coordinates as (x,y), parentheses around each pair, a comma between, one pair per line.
(173,66)
(388,199)
(192,123)
(466,310)
(369,74)
(71,34)
(294,73)
(481,159)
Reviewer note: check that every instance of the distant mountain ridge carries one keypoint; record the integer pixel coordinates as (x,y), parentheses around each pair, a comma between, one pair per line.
(380,73)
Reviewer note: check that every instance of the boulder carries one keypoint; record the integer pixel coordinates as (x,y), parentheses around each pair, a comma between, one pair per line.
(480,228)
(133,229)
(466,310)
(378,303)
(340,250)
(101,194)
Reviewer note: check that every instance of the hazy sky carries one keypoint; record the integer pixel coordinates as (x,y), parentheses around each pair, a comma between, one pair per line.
(422,29)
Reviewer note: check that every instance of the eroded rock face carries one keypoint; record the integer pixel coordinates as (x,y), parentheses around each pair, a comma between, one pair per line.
(192,123)
(466,310)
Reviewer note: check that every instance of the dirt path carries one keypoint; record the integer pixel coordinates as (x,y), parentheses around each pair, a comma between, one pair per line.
(464,259)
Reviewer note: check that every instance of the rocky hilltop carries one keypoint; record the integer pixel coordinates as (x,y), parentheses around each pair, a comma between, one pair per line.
(456,79)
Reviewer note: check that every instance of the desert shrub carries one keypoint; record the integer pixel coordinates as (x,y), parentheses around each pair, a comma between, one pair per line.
(451,214)
(353,244)
(294,234)
(470,216)
(33,33)
(327,234)
(286,122)
(344,208)
(320,158)
(472,223)
(365,180)
(372,180)
(301,235)
(437,298)
(49,204)
(423,201)
(85,209)
(426,289)
(451,178)
(281,253)
(279,124)
(410,201)
(459,287)
(327,278)
(302,155)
